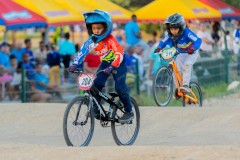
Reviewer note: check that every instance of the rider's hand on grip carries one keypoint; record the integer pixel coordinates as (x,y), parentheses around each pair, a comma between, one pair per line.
(190,51)
(157,50)
(72,68)
(108,70)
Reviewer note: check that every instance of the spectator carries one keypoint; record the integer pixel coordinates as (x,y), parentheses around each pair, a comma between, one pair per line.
(4,55)
(42,82)
(130,60)
(215,29)
(18,50)
(133,37)
(29,67)
(66,50)
(14,87)
(119,34)
(207,41)
(40,53)
(229,42)
(236,38)
(138,56)
(155,60)
(53,60)
(91,62)
(27,49)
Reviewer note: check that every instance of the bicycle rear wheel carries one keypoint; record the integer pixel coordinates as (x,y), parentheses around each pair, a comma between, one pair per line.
(197,91)
(78,122)
(126,134)
(162,86)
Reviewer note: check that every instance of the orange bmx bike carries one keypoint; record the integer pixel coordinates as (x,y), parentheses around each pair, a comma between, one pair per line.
(167,76)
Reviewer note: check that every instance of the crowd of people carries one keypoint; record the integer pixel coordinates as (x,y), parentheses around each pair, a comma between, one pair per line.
(44,64)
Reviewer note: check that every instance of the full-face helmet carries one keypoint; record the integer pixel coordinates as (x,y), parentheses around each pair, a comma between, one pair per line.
(175,21)
(98,17)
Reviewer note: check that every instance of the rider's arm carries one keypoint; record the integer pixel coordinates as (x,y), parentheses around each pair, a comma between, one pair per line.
(164,42)
(118,51)
(194,39)
(85,49)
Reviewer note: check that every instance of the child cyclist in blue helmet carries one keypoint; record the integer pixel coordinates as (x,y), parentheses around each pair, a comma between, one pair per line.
(186,42)
(99,26)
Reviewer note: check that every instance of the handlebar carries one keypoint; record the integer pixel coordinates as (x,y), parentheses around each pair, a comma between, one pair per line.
(81,71)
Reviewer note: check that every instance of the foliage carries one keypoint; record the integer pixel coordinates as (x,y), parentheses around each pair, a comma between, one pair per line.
(234,3)
(133,4)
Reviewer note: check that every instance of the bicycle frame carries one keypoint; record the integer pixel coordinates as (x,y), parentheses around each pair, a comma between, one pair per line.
(178,80)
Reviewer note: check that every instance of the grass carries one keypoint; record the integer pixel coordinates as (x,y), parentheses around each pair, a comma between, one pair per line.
(209,91)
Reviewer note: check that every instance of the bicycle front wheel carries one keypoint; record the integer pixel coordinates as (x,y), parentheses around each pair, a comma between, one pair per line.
(197,91)
(162,86)
(126,133)
(78,122)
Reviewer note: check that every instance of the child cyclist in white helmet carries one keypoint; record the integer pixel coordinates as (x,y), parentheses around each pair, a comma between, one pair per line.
(99,26)
(186,42)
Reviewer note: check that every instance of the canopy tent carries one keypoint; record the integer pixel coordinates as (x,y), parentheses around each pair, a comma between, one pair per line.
(227,11)
(118,13)
(159,10)
(14,16)
(54,12)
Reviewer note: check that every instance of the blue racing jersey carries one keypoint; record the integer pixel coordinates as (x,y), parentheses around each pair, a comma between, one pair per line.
(187,40)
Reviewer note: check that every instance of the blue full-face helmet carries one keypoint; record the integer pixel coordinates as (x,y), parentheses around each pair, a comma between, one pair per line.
(98,17)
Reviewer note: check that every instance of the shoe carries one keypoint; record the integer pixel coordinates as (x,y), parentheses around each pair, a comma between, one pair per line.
(185,89)
(127,116)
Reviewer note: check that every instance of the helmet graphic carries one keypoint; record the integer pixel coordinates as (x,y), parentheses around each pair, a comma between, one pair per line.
(98,17)
(175,21)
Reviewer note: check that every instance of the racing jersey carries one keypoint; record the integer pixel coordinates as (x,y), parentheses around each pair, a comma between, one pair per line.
(108,49)
(187,40)
(237,36)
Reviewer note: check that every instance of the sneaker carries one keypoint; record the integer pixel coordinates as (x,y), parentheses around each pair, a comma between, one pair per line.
(185,89)
(127,116)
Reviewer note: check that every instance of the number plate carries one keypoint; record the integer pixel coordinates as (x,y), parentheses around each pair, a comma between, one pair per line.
(85,81)
(168,53)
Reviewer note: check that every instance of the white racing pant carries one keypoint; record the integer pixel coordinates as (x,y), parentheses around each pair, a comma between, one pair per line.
(184,63)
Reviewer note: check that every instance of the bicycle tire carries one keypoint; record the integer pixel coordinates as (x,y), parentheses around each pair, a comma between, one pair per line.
(159,77)
(197,91)
(116,135)
(66,126)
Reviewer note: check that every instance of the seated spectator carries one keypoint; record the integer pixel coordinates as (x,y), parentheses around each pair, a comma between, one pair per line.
(29,67)
(91,62)
(138,55)
(14,87)
(27,49)
(130,60)
(18,51)
(4,55)
(40,53)
(53,60)
(42,82)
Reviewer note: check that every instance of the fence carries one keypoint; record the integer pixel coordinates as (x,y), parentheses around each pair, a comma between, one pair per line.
(205,71)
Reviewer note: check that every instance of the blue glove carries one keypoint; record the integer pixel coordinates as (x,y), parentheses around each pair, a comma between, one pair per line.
(108,70)
(72,68)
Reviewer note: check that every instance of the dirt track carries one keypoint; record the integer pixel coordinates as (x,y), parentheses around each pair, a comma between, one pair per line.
(34,131)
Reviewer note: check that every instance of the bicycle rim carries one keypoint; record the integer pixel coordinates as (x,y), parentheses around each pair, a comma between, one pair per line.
(197,91)
(126,134)
(162,87)
(78,134)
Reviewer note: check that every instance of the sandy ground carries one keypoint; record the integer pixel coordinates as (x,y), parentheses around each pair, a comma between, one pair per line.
(34,131)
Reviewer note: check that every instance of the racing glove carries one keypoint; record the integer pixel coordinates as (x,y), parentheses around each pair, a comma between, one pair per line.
(72,68)
(108,70)
(190,51)
(157,50)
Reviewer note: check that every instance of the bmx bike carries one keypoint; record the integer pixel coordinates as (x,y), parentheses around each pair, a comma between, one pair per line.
(79,117)
(167,76)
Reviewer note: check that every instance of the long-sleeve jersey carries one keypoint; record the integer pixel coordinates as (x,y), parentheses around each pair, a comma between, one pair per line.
(237,36)
(187,40)
(108,49)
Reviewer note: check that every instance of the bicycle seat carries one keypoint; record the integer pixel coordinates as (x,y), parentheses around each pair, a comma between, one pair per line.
(113,94)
